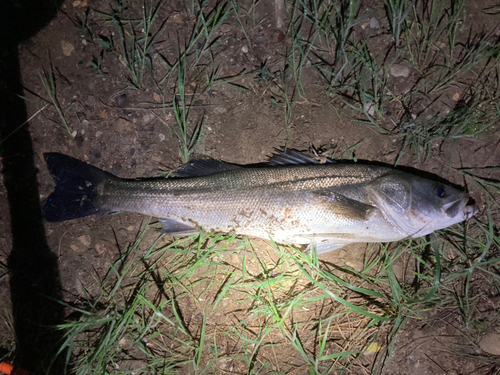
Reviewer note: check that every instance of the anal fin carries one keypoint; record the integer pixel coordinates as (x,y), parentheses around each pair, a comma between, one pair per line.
(325,247)
(178,228)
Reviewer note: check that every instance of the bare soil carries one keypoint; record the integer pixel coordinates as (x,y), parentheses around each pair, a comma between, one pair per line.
(119,129)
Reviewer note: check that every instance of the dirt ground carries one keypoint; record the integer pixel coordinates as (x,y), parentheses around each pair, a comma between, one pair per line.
(125,131)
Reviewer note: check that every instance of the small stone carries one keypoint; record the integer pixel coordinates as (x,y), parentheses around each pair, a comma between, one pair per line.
(369,108)
(244,49)
(85,122)
(220,110)
(80,3)
(456,96)
(98,133)
(399,70)
(124,126)
(90,101)
(490,343)
(365,24)
(156,97)
(101,247)
(146,118)
(74,133)
(67,48)
(81,244)
(235,260)
(162,137)
(374,24)
(225,28)
(355,265)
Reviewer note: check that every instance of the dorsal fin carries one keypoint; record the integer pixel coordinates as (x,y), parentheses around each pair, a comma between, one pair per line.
(203,167)
(290,157)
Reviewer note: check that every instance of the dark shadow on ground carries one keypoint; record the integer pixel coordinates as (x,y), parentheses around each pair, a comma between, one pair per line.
(33,268)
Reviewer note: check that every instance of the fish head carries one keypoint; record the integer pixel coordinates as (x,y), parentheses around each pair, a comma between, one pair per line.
(417,206)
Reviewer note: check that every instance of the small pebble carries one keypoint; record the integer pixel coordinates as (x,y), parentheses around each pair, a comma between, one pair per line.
(162,137)
(90,101)
(244,49)
(100,247)
(74,133)
(374,24)
(399,70)
(490,343)
(225,28)
(124,126)
(370,108)
(81,244)
(67,48)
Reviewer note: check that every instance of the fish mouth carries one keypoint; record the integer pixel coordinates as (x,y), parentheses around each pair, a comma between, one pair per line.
(460,207)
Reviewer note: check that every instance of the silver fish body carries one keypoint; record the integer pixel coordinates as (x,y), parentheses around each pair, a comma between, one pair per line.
(327,205)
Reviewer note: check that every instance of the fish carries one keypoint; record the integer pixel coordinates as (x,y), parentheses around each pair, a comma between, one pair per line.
(291,199)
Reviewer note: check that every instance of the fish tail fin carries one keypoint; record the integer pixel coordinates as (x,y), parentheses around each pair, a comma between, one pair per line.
(75,191)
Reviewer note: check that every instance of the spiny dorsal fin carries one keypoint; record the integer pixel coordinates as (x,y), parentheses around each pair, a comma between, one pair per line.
(205,167)
(291,157)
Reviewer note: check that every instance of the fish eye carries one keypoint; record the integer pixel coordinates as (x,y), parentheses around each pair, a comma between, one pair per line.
(440,191)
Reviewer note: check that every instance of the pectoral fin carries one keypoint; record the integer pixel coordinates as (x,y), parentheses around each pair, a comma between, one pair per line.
(342,206)
(178,228)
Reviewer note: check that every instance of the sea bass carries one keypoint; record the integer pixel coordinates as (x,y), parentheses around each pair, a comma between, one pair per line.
(290,199)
